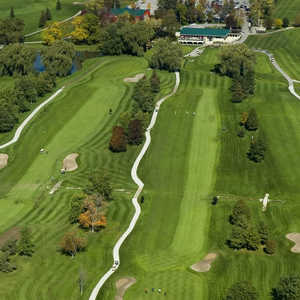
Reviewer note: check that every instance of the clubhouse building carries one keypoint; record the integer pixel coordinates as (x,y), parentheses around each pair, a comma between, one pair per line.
(208,36)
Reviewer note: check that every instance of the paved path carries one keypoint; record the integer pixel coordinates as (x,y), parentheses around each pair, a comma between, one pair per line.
(63,21)
(284,74)
(139,182)
(28,119)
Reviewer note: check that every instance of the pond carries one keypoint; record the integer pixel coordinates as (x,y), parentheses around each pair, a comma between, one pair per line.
(80,57)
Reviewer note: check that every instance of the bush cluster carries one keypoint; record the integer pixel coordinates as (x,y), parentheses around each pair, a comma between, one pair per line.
(131,125)
(244,234)
(12,247)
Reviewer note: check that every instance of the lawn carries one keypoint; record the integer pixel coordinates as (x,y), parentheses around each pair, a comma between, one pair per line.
(284,45)
(77,121)
(192,159)
(179,175)
(238,178)
(287,8)
(30,11)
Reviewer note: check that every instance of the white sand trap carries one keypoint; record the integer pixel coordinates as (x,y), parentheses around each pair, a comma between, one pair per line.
(3,160)
(136,78)
(122,285)
(204,265)
(294,237)
(69,163)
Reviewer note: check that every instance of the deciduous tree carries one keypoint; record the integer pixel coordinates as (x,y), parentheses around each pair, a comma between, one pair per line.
(242,290)
(72,243)
(25,245)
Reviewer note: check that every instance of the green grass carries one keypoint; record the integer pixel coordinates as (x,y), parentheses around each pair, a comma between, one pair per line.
(77,121)
(30,11)
(287,8)
(285,46)
(179,175)
(238,178)
(191,160)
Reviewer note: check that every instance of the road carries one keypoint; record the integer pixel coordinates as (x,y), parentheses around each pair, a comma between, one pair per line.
(28,119)
(284,74)
(140,184)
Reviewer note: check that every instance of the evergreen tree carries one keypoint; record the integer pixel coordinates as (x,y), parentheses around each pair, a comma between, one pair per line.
(252,122)
(58,5)
(238,93)
(263,232)
(10,247)
(286,22)
(240,211)
(135,132)
(257,150)
(252,239)
(242,290)
(43,19)
(48,14)
(76,204)
(12,13)
(26,246)
(287,289)
(5,265)
(155,82)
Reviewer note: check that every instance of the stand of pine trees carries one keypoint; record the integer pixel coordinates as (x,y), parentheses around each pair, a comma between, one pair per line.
(132,125)
(245,235)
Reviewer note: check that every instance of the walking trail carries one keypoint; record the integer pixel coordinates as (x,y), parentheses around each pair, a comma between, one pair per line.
(28,119)
(61,22)
(139,182)
(284,74)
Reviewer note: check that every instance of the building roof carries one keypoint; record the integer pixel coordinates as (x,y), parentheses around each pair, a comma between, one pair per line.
(205,31)
(132,12)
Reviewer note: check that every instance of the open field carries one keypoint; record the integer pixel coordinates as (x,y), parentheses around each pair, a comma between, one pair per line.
(287,8)
(30,11)
(179,226)
(78,121)
(238,178)
(179,173)
(285,46)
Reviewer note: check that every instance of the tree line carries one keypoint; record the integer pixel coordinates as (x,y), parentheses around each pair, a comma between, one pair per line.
(257,147)
(22,246)
(288,288)
(238,63)
(244,233)
(132,125)
(17,60)
(87,209)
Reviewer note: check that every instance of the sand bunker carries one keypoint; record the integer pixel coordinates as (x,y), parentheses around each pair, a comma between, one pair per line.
(204,265)
(69,163)
(122,285)
(136,78)
(3,160)
(294,237)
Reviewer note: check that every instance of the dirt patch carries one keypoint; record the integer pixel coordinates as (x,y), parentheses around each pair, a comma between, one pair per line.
(3,160)
(122,285)
(294,237)
(204,265)
(69,163)
(13,233)
(136,78)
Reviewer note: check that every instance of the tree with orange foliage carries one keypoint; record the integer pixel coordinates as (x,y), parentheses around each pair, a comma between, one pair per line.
(91,217)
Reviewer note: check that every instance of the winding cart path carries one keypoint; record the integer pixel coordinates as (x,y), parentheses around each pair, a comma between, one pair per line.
(28,119)
(139,182)
(284,74)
